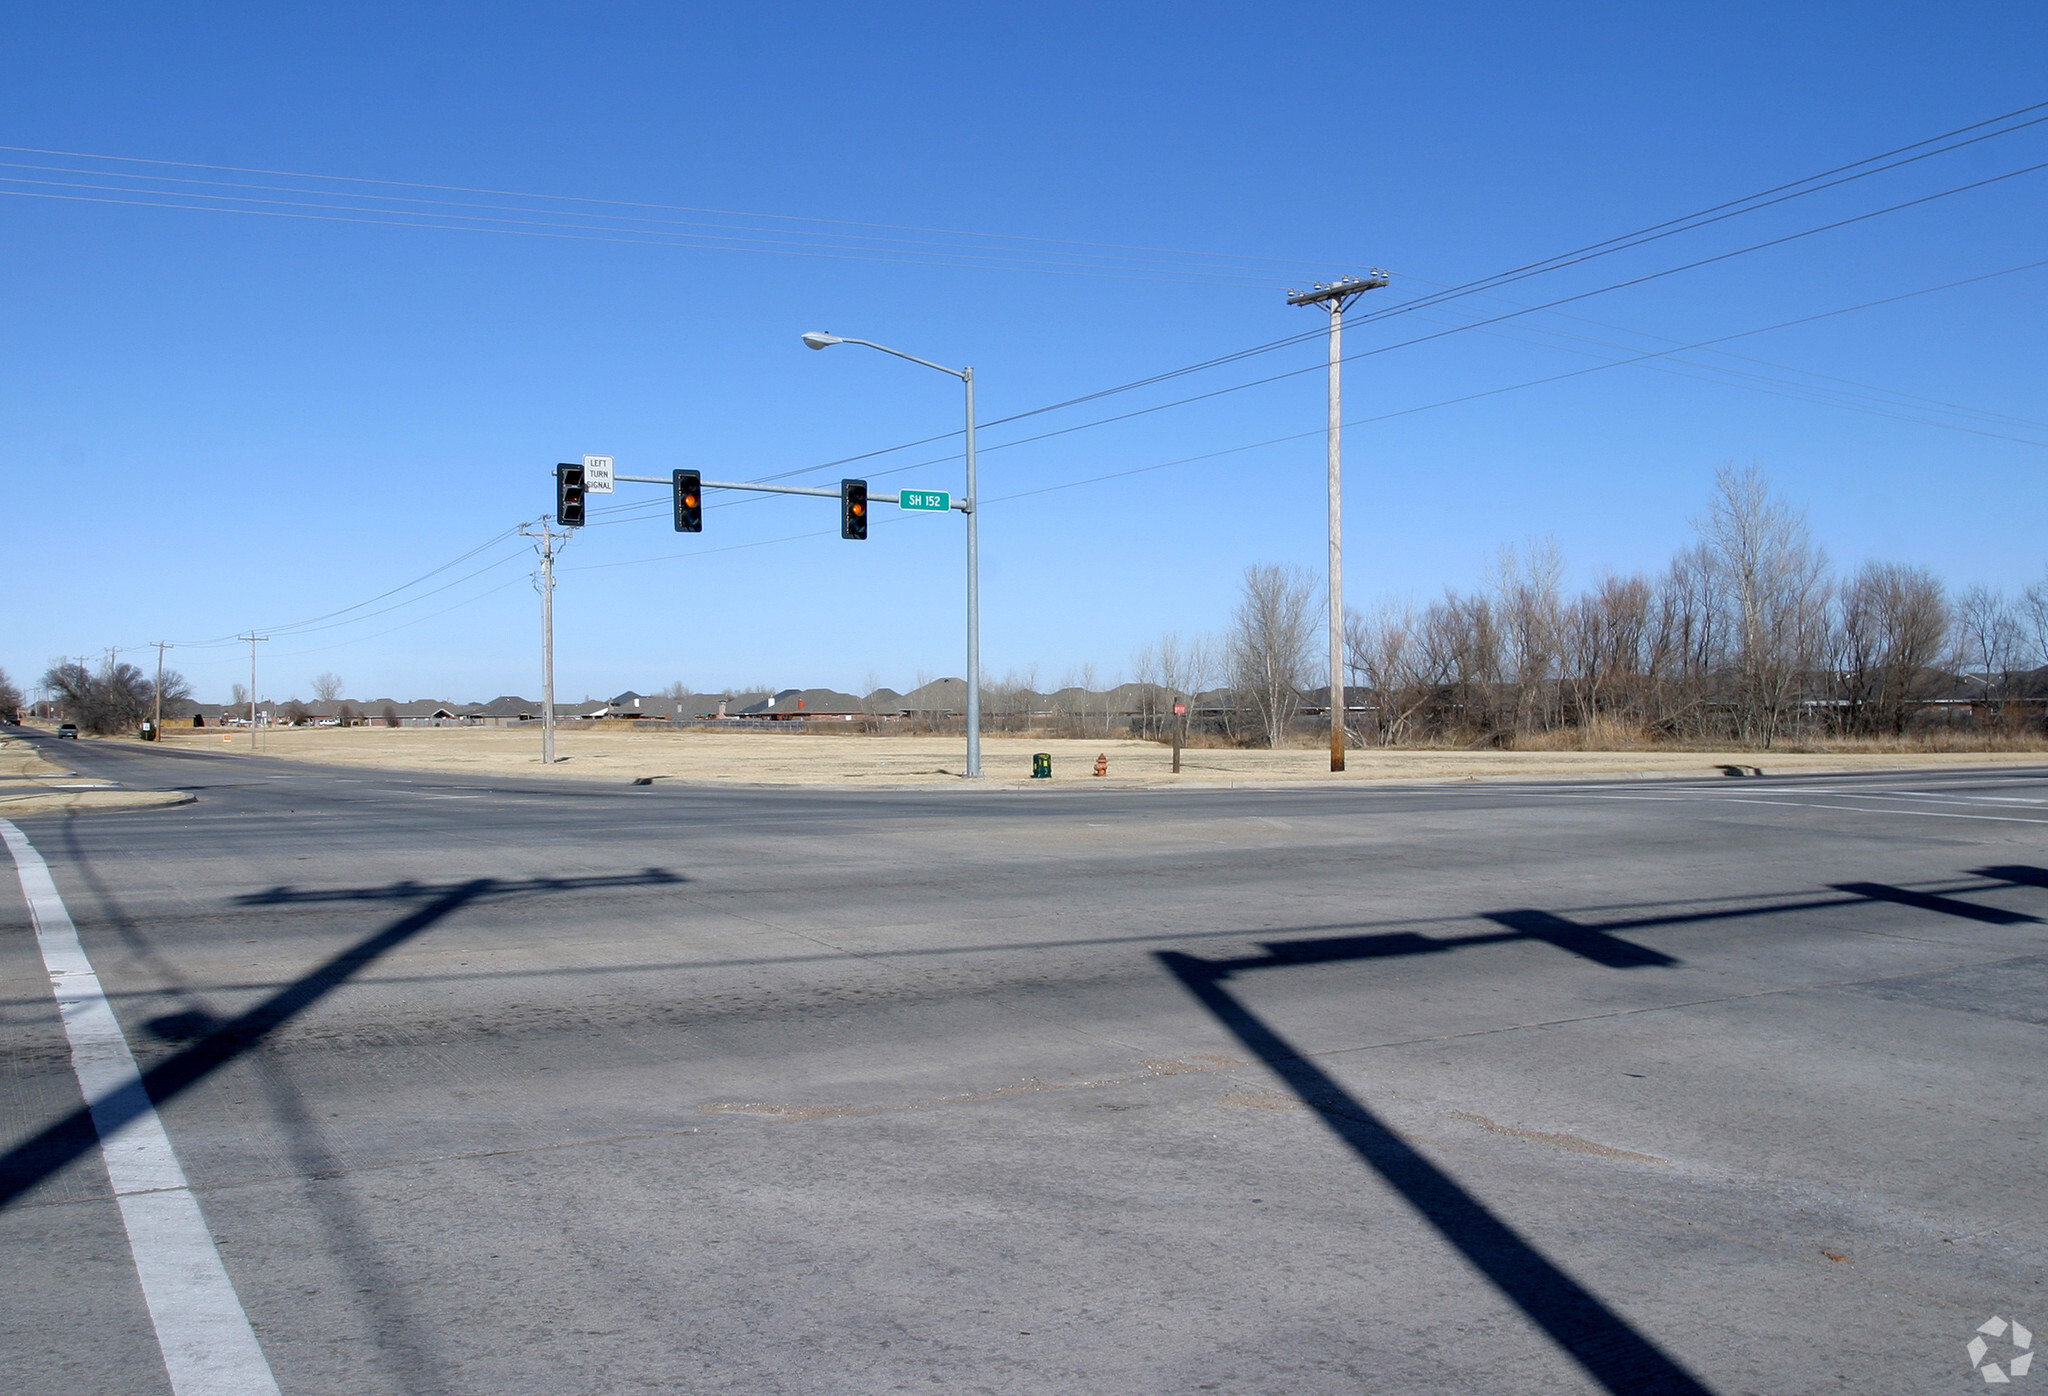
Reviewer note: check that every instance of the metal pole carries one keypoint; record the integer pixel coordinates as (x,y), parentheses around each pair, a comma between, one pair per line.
(970,507)
(973,594)
(547,646)
(1337,704)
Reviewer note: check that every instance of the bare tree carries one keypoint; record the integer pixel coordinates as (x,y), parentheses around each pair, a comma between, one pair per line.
(1528,600)
(2033,610)
(1894,629)
(1176,669)
(238,696)
(1992,632)
(1269,647)
(10,698)
(1381,654)
(1606,653)
(327,687)
(1992,636)
(116,699)
(1771,581)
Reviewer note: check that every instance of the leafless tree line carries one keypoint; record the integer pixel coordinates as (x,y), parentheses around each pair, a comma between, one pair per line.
(1746,637)
(115,698)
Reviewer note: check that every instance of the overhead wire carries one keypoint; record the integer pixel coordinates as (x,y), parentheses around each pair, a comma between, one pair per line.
(1606,247)
(1496,319)
(980,251)
(1480,286)
(673,208)
(1645,359)
(1882,392)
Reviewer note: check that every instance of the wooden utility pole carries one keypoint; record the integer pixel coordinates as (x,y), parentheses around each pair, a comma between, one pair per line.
(548,543)
(254,640)
(156,726)
(1334,298)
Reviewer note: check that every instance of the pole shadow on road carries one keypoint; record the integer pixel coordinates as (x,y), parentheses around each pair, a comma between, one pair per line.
(215,1044)
(1603,1343)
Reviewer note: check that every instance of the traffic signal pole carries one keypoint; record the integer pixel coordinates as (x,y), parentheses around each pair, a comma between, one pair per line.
(973,511)
(1334,298)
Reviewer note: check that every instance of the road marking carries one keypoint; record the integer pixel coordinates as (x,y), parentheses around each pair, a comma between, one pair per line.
(207,1344)
(1717,799)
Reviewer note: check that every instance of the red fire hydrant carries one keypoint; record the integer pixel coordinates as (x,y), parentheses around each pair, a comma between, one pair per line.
(1102,764)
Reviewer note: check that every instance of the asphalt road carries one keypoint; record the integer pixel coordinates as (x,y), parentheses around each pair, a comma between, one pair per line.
(491,1086)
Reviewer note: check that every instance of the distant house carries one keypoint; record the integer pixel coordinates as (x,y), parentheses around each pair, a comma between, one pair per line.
(506,711)
(631,706)
(807,704)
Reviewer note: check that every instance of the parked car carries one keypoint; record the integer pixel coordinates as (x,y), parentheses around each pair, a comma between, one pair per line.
(68,729)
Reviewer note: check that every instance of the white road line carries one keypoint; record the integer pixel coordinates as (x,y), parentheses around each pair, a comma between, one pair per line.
(1717,799)
(1857,809)
(208,1347)
(1905,795)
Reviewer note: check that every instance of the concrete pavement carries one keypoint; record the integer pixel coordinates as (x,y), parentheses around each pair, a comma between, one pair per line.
(517,1086)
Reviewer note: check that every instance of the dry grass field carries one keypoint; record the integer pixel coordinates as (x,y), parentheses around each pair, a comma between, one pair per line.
(773,758)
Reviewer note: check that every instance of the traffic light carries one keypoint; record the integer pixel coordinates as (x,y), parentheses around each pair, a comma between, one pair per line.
(689,490)
(569,496)
(853,508)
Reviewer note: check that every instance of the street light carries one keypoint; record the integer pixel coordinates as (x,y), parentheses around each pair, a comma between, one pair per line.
(817,339)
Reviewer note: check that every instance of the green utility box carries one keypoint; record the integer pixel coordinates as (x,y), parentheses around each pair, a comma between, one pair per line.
(1041,765)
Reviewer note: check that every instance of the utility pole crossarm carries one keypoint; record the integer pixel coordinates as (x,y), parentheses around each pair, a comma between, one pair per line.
(1340,290)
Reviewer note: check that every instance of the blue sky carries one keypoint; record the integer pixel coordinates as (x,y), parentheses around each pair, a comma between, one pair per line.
(214,421)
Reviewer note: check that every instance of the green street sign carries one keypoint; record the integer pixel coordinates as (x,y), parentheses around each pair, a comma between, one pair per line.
(924,499)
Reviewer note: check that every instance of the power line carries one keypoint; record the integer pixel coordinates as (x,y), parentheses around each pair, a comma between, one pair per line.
(671,208)
(1654,232)
(717,234)
(1643,359)
(1981,414)
(982,251)
(1512,314)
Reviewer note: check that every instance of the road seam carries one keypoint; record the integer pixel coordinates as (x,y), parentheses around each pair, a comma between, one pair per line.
(208,1347)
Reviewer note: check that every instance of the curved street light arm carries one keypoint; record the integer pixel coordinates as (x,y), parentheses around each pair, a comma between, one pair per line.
(957,373)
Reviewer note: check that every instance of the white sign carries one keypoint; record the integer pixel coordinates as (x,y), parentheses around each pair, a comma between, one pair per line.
(597,474)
